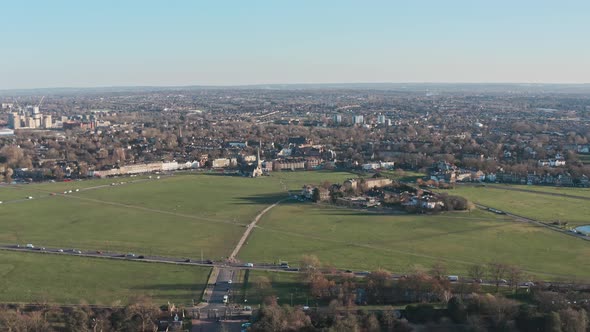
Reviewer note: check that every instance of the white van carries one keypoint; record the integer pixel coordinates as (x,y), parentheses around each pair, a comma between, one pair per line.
(225,298)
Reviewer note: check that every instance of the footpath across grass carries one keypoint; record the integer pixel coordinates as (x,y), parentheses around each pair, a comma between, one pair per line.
(181,215)
(48,278)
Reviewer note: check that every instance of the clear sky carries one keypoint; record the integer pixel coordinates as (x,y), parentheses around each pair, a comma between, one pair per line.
(58,43)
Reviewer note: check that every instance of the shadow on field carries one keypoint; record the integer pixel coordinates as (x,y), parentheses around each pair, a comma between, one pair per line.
(267,199)
(183,291)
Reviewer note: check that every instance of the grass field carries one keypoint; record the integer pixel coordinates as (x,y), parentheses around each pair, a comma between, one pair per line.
(285,286)
(30,278)
(184,214)
(537,206)
(179,215)
(402,243)
(581,192)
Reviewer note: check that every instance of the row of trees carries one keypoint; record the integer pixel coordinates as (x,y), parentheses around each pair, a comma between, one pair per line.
(141,315)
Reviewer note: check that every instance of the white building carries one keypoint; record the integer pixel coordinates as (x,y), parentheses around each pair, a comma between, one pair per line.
(358,119)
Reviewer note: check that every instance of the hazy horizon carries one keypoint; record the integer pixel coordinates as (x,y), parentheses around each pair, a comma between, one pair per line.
(68,44)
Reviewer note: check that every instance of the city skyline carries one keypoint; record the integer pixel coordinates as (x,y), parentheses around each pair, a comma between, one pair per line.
(67,44)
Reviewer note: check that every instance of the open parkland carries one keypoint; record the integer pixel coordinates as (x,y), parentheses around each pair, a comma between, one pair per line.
(203,216)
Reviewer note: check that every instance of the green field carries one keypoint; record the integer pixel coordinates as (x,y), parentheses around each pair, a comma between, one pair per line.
(32,278)
(538,206)
(179,215)
(186,214)
(285,286)
(573,191)
(403,243)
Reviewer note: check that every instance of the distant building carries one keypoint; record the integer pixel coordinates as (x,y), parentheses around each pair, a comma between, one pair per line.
(14,120)
(220,163)
(381,119)
(358,120)
(47,123)
(337,118)
(6,132)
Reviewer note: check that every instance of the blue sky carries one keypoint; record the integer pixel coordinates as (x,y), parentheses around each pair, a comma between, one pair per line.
(62,43)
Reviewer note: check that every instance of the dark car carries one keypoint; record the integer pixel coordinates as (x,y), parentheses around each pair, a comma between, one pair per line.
(188,260)
(140,257)
(209,261)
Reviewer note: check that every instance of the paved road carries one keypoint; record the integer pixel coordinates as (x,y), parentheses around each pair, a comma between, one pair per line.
(220,303)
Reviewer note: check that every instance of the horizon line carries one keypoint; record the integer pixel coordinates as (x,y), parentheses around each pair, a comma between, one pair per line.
(292,84)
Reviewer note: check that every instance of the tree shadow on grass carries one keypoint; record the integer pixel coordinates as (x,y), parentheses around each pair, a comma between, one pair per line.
(267,199)
(185,292)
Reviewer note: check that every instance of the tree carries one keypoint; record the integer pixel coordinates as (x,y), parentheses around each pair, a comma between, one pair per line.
(8,175)
(309,265)
(514,276)
(476,272)
(573,321)
(371,324)
(315,197)
(497,272)
(142,313)
(438,271)
(377,284)
(552,322)
(457,310)
(262,285)
(76,320)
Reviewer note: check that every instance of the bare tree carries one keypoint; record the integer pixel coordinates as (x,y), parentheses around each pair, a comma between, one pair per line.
(497,272)
(476,272)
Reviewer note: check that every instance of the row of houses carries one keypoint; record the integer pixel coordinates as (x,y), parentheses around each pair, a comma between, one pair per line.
(144,168)
(564,179)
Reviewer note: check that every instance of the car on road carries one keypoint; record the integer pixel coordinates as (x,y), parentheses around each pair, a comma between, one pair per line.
(225,298)
(130,255)
(30,246)
(229,281)
(249,265)
(60,250)
(30,197)
(188,260)
(99,252)
(209,261)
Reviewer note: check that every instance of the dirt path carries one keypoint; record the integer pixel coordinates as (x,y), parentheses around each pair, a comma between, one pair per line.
(249,229)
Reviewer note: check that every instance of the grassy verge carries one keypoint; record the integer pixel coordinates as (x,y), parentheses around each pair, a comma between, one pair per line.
(31,277)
